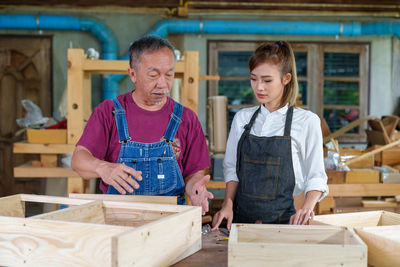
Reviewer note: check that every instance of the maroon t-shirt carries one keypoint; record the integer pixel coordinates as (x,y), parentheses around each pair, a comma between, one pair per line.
(100,135)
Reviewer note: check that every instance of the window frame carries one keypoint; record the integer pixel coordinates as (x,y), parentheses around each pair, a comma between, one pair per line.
(315,79)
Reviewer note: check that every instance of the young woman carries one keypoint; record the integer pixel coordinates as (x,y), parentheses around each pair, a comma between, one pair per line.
(274,151)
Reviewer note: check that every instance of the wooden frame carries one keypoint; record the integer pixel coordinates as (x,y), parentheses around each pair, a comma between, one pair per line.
(359,219)
(288,245)
(383,244)
(380,230)
(99,233)
(80,69)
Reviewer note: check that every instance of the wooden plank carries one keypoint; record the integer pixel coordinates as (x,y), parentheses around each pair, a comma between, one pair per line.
(383,244)
(53,199)
(99,66)
(389,218)
(27,170)
(351,190)
(294,246)
(395,143)
(326,205)
(48,160)
(89,213)
(128,198)
(25,148)
(31,242)
(359,219)
(216,185)
(75,184)
(189,90)
(144,242)
(377,203)
(12,206)
(362,177)
(355,219)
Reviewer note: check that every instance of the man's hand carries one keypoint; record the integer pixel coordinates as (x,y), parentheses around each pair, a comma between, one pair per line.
(198,193)
(119,176)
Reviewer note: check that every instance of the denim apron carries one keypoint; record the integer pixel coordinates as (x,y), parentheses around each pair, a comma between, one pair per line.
(157,162)
(266,178)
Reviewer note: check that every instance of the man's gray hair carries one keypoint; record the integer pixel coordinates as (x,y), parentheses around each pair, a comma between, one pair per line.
(148,43)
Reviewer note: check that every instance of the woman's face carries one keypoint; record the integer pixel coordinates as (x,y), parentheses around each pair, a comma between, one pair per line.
(268,84)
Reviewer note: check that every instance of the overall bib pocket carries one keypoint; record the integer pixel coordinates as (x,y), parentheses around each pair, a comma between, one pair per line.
(260,176)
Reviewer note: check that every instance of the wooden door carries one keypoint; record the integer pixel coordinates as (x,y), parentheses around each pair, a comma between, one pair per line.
(25,73)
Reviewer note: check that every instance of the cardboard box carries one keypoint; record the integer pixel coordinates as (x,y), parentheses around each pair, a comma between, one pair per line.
(294,245)
(47,136)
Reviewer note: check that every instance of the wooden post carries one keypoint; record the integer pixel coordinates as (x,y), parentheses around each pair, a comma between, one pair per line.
(76,82)
(191,78)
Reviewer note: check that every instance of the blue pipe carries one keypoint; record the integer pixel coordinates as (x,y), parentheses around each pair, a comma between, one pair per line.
(165,27)
(107,38)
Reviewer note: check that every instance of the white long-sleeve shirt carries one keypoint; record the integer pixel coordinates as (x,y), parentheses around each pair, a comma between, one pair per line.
(307,147)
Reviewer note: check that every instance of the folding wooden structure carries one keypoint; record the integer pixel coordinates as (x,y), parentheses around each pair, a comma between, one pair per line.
(97,233)
(289,245)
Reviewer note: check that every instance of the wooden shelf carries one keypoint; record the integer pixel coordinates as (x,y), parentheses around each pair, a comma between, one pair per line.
(27,148)
(27,170)
(367,190)
(216,185)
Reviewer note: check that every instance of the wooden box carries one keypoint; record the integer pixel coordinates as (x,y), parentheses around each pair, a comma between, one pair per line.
(289,245)
(357,219)
(47,136)
(383,244)
(376,229)
(98,233)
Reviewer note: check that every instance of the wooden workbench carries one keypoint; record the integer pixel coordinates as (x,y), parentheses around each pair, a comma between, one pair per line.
(213,252)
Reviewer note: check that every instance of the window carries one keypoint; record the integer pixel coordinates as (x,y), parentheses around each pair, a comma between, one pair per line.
(333,80)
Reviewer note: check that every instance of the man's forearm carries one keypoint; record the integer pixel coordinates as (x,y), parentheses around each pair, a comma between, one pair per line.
(85,164)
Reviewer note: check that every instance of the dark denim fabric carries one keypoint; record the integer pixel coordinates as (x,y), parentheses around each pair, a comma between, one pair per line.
(266,178)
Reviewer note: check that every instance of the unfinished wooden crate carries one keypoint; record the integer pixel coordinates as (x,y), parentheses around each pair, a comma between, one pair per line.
(380,230)
(98,233)
(359,219)
(289,245)
(383,244)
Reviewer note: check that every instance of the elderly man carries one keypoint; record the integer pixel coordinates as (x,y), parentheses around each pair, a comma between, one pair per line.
(144,142)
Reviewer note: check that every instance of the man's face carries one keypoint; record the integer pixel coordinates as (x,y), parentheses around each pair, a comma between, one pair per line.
(153,76)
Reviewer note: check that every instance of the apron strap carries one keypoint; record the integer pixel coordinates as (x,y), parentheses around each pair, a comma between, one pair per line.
(122,124)
(248,126)
(173,125)
(288,123)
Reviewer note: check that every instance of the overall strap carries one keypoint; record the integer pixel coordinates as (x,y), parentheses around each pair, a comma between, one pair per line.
(288,123)
(174,122)
(122,124)
(248,126)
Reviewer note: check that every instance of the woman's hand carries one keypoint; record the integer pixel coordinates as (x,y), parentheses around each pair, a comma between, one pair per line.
(226,212)
(302,216)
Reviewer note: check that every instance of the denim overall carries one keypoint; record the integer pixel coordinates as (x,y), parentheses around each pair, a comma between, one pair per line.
(266,178)
(157,162)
